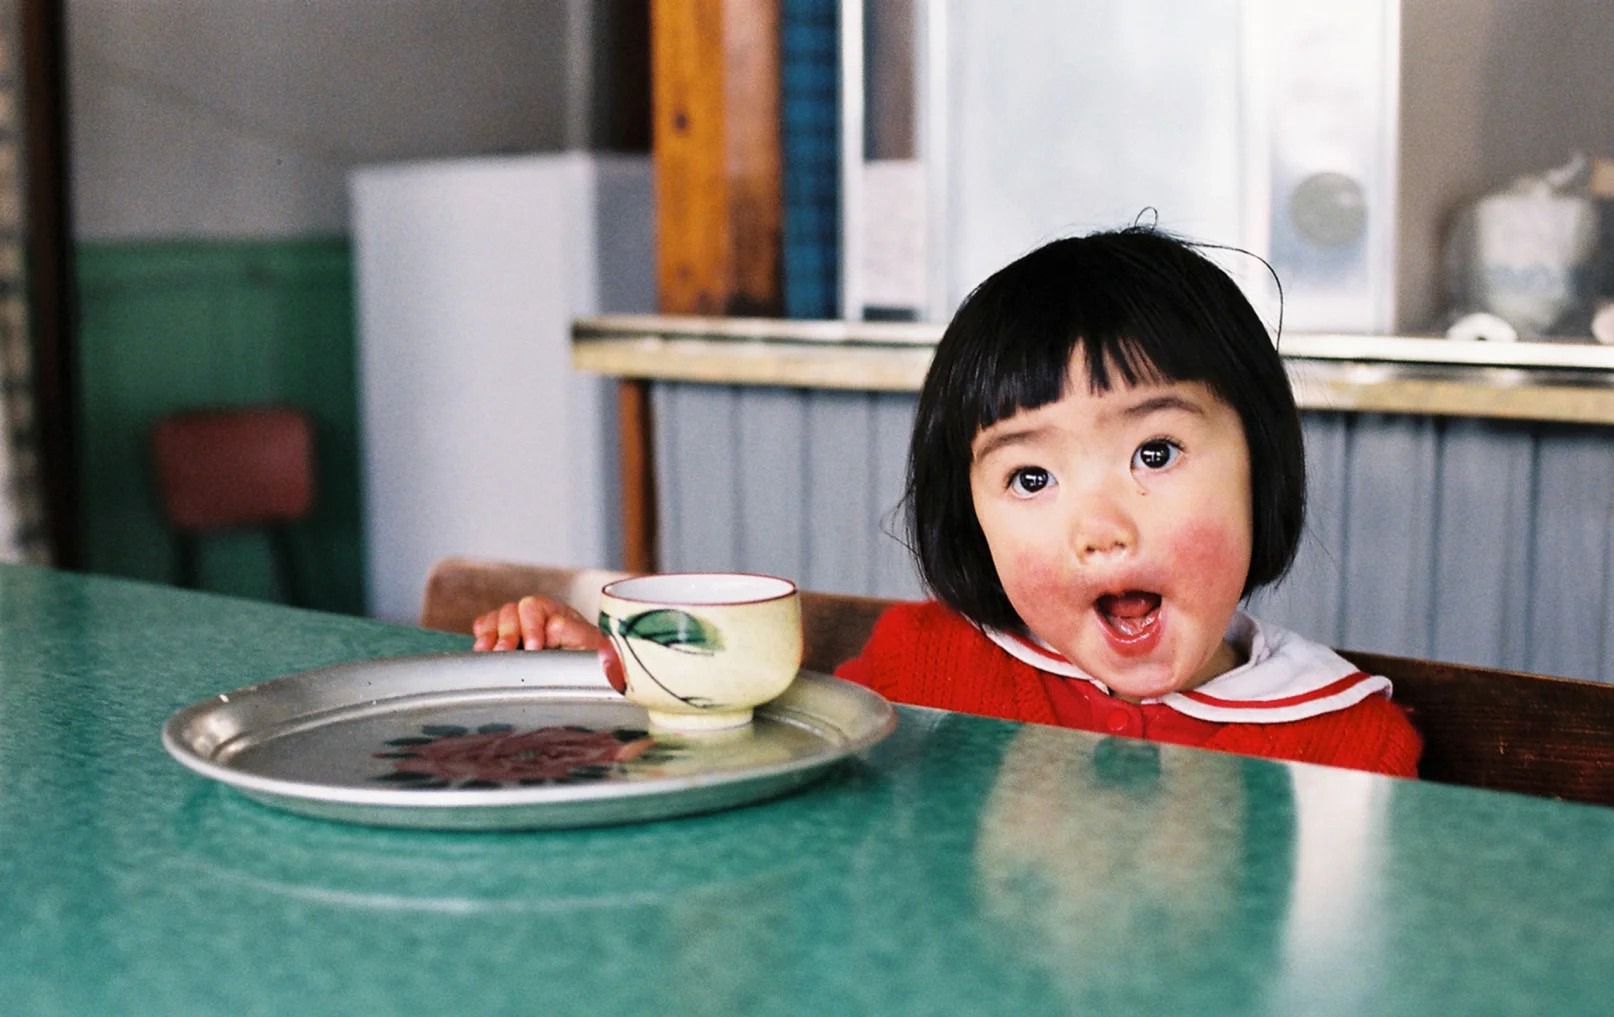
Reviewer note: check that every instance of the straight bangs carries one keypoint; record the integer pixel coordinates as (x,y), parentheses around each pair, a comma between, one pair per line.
(1159,344)
(1025,370)
(1027,365)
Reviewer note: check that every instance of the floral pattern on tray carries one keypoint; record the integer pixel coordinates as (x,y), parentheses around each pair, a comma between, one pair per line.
(498,756)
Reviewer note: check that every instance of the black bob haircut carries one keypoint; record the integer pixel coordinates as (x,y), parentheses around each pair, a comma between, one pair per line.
(1138,303)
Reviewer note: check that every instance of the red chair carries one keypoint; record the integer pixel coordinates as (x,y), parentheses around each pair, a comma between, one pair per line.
(247,467)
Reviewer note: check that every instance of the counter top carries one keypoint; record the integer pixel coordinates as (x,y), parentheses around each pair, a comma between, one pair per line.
(1568,382)
(964,865)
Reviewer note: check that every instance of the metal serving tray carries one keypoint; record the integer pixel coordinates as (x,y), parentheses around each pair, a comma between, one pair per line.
(505,741)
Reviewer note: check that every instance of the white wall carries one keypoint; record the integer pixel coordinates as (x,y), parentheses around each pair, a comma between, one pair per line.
(210,118)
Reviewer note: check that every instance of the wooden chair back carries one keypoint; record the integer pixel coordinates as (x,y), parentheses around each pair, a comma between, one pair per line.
(1506,730)
(218,469)
(1482,727)
(460,589)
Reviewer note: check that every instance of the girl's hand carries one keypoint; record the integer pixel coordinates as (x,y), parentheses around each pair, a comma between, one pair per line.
(535,623)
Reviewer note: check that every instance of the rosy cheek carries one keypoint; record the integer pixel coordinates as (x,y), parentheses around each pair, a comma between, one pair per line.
(1211,556)
(1028,577)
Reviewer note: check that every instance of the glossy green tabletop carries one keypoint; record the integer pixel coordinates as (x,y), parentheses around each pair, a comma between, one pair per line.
(964,866)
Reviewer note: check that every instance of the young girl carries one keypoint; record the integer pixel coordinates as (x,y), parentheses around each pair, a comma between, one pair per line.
(1106,461)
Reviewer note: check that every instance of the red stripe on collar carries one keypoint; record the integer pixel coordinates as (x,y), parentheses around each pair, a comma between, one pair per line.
(1032,645)
(1333,688)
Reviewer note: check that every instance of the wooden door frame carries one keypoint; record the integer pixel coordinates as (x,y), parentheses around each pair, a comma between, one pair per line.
(52,299)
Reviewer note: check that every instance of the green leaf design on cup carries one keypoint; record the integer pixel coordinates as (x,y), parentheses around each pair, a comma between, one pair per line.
(674,629)
(664,626)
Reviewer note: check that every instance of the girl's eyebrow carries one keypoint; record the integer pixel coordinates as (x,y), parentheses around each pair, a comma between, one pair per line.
(1162,402)
(1004,439)
(1158,403)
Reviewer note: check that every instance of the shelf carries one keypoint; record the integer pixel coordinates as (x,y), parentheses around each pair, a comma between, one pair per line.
(1566,382)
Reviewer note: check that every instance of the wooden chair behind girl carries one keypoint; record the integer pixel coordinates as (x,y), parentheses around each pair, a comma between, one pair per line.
(1482,727)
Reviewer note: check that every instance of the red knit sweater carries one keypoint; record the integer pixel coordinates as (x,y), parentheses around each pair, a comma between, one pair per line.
(928,655)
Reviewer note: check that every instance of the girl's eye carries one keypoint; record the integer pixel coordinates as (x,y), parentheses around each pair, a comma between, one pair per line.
(1028,480)
(1156,454)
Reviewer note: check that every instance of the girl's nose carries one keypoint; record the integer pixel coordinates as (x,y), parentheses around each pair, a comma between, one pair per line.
(1101,527)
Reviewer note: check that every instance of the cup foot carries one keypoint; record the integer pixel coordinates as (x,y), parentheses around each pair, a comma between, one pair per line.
(697,722)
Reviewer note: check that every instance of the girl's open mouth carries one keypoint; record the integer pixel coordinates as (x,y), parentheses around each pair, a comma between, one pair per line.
(1130,615)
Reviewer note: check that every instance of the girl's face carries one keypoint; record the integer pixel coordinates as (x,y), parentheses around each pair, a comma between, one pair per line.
(1120,526)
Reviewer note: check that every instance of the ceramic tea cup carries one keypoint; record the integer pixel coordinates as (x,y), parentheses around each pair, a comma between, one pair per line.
(700,650)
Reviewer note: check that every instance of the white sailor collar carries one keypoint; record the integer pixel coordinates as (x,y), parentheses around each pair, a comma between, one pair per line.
(1286,677)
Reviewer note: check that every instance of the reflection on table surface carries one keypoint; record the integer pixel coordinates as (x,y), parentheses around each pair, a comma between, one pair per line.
(964,865)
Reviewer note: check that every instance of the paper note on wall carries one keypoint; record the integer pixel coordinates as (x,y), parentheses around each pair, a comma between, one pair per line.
(894,236)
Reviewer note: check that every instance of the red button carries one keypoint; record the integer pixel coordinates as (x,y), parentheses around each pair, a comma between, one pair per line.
(1119,720)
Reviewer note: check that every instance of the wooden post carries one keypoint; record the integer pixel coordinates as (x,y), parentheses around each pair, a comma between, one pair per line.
(51,291)
(635,432)
(715,141)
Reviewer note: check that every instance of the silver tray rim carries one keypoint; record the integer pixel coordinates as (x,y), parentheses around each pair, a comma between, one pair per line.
(848,719)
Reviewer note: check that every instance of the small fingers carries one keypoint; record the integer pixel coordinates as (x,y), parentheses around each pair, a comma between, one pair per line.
(506,628)
(570,630)
(534,613)
(486,629)
(534,623)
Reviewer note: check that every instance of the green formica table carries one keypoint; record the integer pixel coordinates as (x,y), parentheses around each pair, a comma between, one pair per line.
(964,866)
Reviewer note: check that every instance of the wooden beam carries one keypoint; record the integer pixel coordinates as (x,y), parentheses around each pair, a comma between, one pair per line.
(716,150)
(715,144)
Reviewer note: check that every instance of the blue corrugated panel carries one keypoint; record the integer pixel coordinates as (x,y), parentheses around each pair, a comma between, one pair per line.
(810,101)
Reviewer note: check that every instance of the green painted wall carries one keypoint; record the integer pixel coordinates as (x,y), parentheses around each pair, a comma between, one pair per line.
(167,325)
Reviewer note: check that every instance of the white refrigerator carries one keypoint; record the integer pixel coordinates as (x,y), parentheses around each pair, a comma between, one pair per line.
(478,438)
